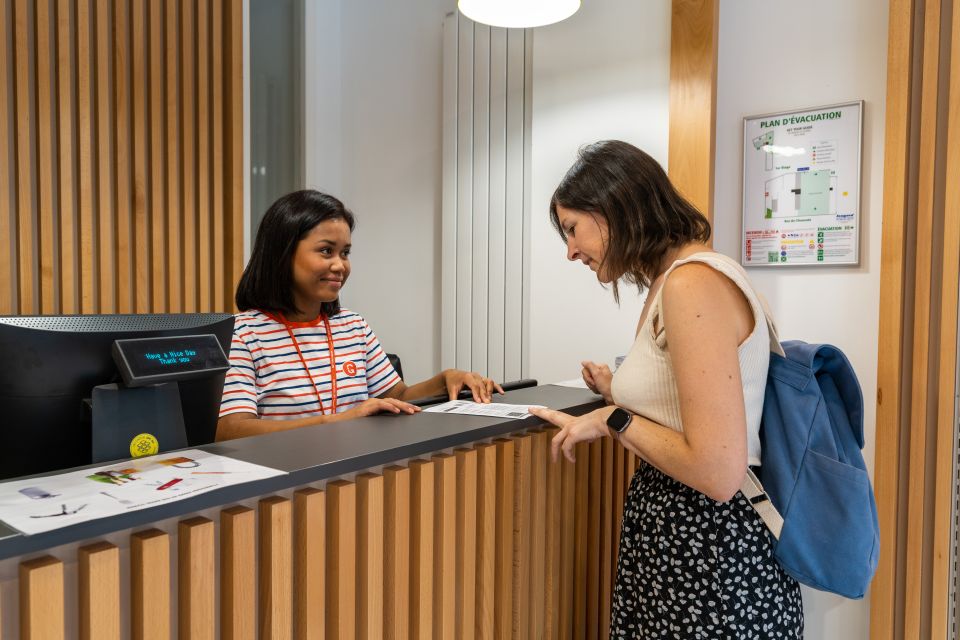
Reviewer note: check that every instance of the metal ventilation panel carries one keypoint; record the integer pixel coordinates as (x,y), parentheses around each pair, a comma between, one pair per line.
(119,322)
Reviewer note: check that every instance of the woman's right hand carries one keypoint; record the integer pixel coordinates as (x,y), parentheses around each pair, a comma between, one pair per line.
(598,378)
(379,405)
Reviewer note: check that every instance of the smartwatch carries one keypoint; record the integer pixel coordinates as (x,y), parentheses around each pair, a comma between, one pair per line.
(619,420)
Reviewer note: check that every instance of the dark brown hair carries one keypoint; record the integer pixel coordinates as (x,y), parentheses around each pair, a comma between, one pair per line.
(645,215)
(267,281)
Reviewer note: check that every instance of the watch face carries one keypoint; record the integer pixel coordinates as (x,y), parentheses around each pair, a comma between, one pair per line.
(618,420)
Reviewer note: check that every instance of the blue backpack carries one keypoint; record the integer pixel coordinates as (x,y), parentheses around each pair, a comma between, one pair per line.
(823,513)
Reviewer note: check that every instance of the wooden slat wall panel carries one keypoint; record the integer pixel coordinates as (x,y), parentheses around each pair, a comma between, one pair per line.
(150,585)
(123,233)
(463,542)
(276,568)
(370,556)
(175,231)
(89,292)
(341,607)
(553,610)
(196,578)
(607,496)
(946,436)
(923,285)
(466,542)
(106,162)
(486,539)
(538,521)
(568,530)
(233,137)
(506,478)
(45,54)
(7,214)
(25,168)
(594,556)
(522,514)
(66,169)
(238,603)
(141,152)
(121,169)
(41,599)
(396,571)
(309,577)
(421,548)
(99,590)
(204,176)
(157,172)
(188,113)
(444,545)
(581,559)
(222,290)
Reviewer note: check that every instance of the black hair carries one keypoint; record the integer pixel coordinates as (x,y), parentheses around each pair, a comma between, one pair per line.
(645,215)
(267,280)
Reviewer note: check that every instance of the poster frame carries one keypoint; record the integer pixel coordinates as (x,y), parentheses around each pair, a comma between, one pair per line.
(859,182)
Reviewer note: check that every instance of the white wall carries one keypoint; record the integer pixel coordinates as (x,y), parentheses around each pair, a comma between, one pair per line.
(322,96)
(373,91)
(604,73)
(776,55)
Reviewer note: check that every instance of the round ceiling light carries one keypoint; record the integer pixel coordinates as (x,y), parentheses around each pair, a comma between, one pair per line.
(518,13)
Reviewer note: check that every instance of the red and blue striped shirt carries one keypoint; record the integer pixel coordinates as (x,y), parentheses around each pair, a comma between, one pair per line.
(267,377)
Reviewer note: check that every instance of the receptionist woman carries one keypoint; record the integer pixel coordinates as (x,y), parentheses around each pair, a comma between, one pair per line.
(297,357)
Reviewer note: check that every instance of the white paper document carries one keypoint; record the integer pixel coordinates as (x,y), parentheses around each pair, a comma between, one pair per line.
(43,504)
(494,409)
(575,383)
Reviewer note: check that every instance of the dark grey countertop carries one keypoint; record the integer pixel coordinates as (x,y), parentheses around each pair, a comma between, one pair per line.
(319,453)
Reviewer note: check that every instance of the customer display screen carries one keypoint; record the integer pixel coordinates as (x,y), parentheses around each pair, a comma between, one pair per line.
(152,360)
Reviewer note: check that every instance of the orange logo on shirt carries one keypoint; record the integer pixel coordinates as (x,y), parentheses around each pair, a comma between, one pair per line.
(350,368)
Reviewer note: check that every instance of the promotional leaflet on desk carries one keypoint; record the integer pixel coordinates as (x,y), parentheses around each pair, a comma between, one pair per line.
(36,505)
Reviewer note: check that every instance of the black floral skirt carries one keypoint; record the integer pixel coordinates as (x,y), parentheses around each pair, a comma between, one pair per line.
(690,567)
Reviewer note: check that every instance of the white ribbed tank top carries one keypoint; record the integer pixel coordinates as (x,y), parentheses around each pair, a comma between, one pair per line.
(645,384)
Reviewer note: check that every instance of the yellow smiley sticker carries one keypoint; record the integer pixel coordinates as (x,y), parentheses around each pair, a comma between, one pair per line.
(144,444)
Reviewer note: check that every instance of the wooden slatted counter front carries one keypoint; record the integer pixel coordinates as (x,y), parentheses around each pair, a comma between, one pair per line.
(425,526)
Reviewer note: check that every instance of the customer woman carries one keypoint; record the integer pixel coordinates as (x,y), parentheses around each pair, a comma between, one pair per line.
(695,560)
(297,357)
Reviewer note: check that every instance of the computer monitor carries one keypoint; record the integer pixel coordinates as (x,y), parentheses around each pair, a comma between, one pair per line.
(49,366)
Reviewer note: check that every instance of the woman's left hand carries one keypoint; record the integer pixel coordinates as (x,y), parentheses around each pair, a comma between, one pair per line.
(481,387)
(574,429)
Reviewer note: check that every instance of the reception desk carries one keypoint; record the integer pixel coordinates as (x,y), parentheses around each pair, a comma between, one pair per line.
(424,526)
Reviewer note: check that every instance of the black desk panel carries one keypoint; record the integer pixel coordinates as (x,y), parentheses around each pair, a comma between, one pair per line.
(323,452)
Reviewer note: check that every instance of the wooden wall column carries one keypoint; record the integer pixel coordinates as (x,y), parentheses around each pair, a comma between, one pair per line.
(916,383)
(693,100)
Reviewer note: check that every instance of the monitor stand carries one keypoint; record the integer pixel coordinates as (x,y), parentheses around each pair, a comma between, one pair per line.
(120,413)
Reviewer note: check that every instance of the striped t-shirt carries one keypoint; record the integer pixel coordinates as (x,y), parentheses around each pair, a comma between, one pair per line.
(267,377)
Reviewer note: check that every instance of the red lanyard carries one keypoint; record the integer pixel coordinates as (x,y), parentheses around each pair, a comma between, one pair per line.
(333,362)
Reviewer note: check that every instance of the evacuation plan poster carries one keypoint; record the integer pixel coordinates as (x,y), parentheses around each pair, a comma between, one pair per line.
(801,187)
